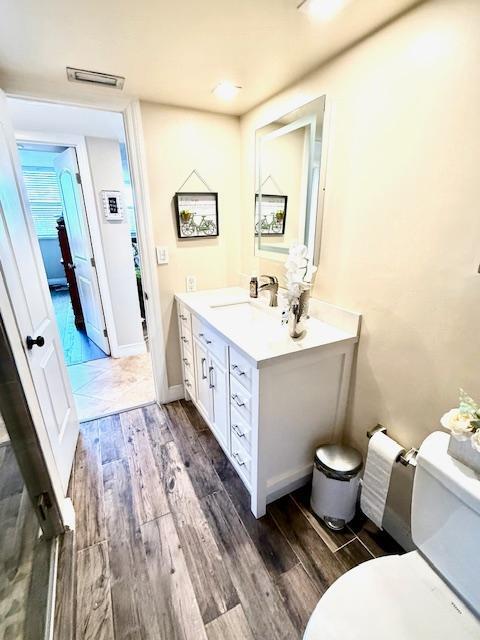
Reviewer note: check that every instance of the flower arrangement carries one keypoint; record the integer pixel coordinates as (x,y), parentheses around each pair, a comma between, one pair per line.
(463,422)
(299,273)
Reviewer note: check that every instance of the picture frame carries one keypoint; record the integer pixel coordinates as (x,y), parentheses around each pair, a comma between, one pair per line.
(196,214)
(269,220)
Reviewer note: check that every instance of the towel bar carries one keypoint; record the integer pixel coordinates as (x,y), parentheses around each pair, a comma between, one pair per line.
(407,458)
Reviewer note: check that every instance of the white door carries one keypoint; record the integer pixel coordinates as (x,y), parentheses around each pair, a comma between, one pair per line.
(66,167)
(201,377)
(218,383)
(26,281)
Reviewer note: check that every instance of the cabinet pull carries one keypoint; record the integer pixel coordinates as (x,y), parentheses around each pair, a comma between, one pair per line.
(236,398)
(184,339)
(204,375)
(187,383)
(237,430)
(240,462)
(182,317)
(236,368)
(210,371)
(186,362)
(202,335)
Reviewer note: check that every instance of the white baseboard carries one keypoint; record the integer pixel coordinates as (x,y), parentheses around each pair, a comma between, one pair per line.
(279,486)
(126,350)
(176,392)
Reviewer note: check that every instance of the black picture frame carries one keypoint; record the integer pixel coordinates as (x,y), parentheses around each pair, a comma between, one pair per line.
(203,221)
(272,228)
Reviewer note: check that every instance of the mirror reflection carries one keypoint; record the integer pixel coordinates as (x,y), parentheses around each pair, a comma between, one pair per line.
(288,203)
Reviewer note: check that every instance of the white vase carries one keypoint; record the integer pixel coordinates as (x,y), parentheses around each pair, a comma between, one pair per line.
(297,316)
(463,451)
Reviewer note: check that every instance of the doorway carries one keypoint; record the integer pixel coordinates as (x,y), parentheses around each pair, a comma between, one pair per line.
(95,274)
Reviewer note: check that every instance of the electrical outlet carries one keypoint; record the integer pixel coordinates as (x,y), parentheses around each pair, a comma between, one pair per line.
(162,255)
(191,283)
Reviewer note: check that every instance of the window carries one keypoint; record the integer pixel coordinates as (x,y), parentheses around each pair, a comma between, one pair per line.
(44,198)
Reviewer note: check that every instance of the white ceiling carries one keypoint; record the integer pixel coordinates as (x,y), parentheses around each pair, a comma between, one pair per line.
(30,115)
(176,51)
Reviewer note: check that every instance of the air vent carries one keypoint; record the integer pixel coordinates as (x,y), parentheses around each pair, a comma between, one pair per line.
(95,77)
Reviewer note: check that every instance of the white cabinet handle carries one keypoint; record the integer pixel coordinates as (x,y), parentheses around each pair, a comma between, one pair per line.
(240,462)
(237,400)
(204,375)
(238,431)
(210,371)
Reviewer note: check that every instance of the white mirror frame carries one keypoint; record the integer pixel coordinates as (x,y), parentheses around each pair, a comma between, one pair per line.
(279,254)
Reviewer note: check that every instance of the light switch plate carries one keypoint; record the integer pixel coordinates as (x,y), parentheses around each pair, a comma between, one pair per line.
(191,283)
(162,255)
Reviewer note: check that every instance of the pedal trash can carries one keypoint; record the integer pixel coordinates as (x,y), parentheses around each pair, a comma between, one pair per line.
(335,484)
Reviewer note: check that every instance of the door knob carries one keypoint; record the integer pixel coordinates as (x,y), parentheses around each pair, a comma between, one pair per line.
(39,341)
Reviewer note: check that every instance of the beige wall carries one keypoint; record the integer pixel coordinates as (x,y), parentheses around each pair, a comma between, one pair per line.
(178,141)
(402,217)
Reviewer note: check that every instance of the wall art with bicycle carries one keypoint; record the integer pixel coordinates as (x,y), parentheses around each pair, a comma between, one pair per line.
(196,214)
(270,214)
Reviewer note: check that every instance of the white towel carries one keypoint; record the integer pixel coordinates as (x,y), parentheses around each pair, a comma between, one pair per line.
(381,456)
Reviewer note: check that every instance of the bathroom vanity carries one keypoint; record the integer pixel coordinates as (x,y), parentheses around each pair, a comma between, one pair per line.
(269,400)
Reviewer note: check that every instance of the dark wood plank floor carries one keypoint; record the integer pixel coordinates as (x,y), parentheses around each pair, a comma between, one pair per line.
(77,346)
(166,546)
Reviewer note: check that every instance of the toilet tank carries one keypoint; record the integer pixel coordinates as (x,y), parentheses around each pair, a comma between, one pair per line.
(446,517)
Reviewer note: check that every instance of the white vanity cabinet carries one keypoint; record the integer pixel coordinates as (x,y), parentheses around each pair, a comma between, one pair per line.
(269,401)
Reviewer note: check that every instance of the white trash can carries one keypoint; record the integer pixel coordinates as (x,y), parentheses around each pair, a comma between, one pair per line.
(335,484)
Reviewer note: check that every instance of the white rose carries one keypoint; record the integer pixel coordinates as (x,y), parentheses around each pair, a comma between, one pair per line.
(458,423)
(475,440)
(298,250)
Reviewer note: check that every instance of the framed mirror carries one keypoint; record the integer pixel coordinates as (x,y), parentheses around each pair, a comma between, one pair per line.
(290,169)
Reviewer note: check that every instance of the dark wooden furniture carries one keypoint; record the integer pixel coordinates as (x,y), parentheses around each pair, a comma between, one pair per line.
(69,268)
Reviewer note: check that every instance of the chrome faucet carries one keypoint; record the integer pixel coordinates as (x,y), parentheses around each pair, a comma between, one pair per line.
(272,286)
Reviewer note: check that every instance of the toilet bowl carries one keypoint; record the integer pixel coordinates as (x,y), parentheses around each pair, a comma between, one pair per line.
(432,593)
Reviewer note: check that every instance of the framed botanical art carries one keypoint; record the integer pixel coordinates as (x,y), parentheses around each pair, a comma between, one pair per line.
(196,214)
(270,214)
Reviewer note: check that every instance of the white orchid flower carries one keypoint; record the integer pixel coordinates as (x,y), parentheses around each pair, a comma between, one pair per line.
(475,440)
(458,423)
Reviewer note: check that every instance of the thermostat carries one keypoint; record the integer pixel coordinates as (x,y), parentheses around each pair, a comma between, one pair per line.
(112,205)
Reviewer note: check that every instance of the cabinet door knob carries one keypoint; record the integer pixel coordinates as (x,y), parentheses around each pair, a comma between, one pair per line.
(39,341)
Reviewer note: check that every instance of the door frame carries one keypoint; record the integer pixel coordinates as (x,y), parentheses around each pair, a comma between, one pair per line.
(134,140)
(78,143)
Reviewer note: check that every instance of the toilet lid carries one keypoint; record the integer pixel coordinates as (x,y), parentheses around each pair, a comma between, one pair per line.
(394,598)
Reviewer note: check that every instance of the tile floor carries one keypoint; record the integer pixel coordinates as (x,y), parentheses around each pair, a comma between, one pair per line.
(105,386)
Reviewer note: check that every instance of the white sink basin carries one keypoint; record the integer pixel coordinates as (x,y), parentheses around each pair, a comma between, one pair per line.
(247,313)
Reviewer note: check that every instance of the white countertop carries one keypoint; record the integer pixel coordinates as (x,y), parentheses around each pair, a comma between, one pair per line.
(255,328)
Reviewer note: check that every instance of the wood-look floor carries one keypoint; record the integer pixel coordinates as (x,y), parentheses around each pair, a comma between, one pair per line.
(166,546)
(77,346)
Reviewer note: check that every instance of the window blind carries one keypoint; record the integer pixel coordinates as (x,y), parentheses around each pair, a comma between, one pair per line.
(44,198)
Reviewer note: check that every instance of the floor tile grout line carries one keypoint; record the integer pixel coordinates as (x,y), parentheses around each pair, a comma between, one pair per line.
(345,544)
(364,545)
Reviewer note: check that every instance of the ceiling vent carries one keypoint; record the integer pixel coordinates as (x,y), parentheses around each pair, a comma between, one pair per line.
(95,77)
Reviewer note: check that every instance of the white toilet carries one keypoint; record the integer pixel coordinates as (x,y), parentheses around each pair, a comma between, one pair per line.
(423,594)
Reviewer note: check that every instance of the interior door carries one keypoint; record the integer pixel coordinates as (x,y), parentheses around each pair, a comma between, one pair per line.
(218,383)
(201,378)
(26,282)
(66,167)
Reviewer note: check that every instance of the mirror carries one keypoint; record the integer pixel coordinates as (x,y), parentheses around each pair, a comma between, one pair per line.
(290,173)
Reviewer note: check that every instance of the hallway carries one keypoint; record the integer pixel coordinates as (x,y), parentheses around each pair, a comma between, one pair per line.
(166,546)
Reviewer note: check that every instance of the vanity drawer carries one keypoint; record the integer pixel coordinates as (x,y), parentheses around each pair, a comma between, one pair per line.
(241,459)
(185,317)
(240,368)
(241,429)
(210,338)
(189,381)
(240,400)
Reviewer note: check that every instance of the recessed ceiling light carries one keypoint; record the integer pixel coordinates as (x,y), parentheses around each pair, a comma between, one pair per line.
(226,90)
(95,77)
(322,9)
